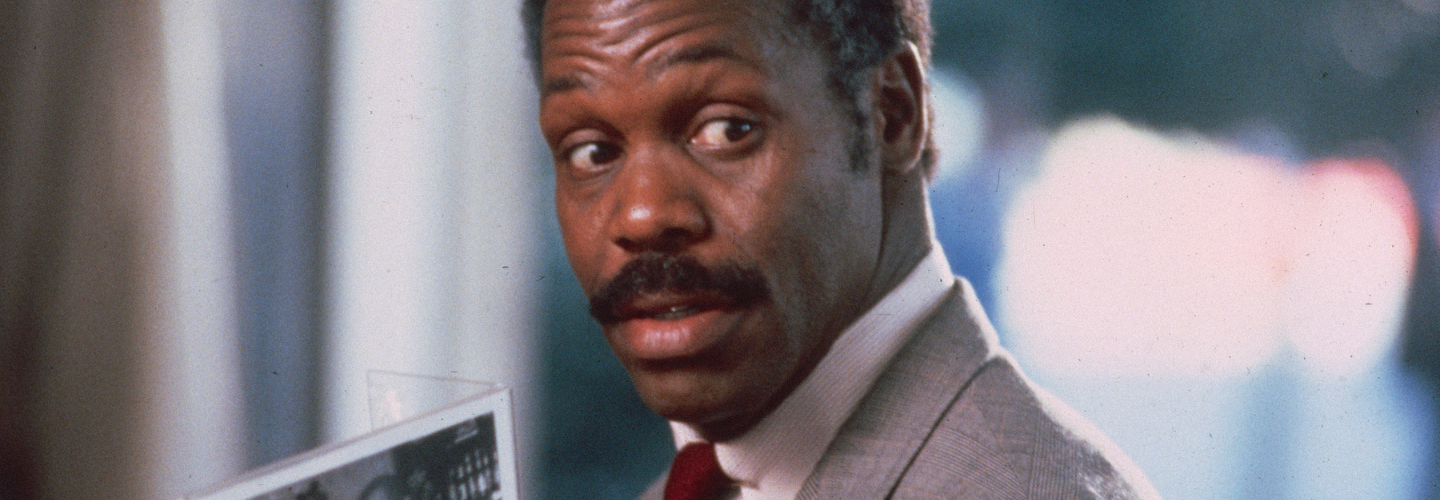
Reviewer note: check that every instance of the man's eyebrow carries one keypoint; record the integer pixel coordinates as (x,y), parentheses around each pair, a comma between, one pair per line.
(560,84)
(699,54)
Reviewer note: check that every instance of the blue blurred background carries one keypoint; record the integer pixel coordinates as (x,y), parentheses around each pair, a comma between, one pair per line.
(1209,226)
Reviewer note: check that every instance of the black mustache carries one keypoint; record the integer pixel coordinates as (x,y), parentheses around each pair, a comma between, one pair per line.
(653,272)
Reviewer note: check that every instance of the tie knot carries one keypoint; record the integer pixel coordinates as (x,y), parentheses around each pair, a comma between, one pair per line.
(695,474)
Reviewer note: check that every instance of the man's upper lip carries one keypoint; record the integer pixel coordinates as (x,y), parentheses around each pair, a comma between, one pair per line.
(653,304)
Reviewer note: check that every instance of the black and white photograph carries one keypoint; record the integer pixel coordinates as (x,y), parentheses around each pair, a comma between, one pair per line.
(469,460)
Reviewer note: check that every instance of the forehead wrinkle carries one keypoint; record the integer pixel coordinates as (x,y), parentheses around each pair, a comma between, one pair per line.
(562,84)
(600,35)
(626,31)
(570,80)
(654,50)
(720,42)
(700,54)
(613,26)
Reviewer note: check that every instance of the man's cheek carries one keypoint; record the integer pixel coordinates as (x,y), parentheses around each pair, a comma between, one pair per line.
(586,254)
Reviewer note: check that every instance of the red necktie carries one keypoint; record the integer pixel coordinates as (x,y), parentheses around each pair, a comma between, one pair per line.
(695,474)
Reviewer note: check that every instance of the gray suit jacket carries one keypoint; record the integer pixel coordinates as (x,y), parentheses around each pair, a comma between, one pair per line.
(952,417)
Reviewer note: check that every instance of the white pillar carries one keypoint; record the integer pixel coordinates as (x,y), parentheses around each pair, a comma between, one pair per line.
(193,376)
(433,247)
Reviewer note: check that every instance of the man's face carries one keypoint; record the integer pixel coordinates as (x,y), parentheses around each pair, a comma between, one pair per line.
(706,197)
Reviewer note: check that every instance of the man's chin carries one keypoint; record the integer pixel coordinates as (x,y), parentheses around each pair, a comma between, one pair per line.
(687,398)
(676,396)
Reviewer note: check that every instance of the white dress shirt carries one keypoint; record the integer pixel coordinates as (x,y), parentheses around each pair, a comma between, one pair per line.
(773,459)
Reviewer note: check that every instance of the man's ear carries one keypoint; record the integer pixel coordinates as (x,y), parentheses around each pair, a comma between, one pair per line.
(901,107)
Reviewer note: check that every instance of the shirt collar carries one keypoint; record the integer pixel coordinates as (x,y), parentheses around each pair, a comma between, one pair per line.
(773,459)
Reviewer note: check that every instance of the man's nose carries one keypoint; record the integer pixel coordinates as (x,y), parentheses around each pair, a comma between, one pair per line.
(658,208)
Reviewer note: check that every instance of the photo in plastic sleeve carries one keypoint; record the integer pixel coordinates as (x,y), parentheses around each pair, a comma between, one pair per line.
(470,460)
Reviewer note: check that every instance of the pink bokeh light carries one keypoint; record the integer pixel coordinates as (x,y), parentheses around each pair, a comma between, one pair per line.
(1134,252)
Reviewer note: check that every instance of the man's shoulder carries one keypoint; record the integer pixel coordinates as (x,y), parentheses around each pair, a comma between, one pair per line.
(953,416)
(1004,437)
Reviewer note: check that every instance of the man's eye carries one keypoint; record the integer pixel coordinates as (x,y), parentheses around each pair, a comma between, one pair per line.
(592,156)
(723,133)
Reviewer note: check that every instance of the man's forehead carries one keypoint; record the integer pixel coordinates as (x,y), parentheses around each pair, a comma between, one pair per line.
(616,22)
(618,9)
(581,34)
(599,8)
(695,54)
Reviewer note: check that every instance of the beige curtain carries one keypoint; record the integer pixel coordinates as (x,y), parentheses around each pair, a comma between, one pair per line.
(81,190)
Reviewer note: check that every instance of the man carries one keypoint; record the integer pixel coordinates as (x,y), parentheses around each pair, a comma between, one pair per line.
(741,187)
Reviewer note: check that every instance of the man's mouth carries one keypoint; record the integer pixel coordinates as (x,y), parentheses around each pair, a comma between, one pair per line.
(674,312)
(661,286)
(669,305)
(661,307)
(673,331)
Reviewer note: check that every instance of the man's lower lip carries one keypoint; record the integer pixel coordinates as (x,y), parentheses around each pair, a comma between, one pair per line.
(660,339)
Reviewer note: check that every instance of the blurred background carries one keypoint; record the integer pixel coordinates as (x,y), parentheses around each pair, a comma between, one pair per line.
(1209,226)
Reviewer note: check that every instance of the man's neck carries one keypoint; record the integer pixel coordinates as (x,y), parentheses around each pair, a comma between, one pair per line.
(908,234)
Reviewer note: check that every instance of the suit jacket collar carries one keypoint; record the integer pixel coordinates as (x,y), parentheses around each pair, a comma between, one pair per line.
(882,437)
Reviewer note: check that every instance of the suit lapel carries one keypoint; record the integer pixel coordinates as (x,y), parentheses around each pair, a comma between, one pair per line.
(881,438)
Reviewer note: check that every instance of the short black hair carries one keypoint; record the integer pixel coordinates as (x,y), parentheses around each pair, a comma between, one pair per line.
(857,34)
